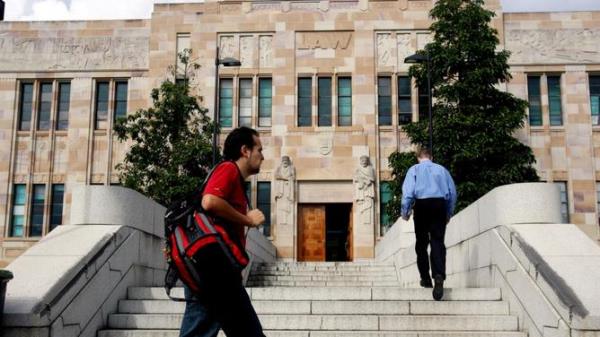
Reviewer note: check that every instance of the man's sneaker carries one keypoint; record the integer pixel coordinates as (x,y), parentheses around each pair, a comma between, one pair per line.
(426,283)
(438,288)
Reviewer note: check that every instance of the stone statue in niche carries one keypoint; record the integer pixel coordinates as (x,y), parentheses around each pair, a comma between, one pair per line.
(364,191)
(285,181)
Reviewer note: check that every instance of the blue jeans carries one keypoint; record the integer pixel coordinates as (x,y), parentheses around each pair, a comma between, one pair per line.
(197,322)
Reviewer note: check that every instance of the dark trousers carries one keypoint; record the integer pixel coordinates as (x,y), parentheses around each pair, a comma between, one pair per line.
(430,228)
(224,298)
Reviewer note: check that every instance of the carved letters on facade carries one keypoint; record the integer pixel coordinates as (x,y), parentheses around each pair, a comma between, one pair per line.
(324,40)
(553,46)
(285,192)
(364,191)
(91,53)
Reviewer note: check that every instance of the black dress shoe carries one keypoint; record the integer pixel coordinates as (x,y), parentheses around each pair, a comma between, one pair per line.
(426,283)
(438,288)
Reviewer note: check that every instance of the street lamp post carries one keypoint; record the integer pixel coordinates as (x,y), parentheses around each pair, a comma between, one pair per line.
(420,58)
(226,62)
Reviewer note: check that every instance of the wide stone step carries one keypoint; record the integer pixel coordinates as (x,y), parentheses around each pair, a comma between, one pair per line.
(272,333)
(326,269)
(335,322)
(278,283)
(335,307)
(321,277)
(337,293)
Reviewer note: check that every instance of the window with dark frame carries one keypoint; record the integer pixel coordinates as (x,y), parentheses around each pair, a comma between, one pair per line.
(324,99)
(264,204)
(265,101)
(344,105)
(405,101)
(595,98)
(120,111)
(535,100)
(17,219)
(101,108)
(56,209)
(305,101)
(44,106)
(226,102)
(26,106)
(564,200)
(384,100)
(245,102)
(554,101)
(64,104)
(38,199)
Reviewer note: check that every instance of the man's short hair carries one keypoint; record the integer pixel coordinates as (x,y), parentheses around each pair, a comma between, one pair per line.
(236,139)
(423,152)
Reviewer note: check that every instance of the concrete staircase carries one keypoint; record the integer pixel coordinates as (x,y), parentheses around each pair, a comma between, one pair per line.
(333,300)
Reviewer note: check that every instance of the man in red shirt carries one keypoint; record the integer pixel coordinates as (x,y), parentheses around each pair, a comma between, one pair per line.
(224,302)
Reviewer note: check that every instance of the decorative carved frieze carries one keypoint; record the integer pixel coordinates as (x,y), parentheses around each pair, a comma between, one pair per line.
(92,53)
(553,46)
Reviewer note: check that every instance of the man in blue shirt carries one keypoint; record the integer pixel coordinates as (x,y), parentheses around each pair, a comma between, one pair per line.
(429,190)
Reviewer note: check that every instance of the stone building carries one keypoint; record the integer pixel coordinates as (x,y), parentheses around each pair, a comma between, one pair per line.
(324,83)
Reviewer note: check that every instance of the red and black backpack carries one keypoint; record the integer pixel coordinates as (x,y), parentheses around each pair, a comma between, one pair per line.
(188,231)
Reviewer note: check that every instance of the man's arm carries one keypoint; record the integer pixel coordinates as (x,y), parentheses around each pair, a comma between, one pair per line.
(451,203)
(222,209)
(408,191)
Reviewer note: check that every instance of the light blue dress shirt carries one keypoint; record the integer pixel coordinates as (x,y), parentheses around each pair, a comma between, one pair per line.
(428,180)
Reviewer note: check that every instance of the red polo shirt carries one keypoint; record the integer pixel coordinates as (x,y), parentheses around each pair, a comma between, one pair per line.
(226,183)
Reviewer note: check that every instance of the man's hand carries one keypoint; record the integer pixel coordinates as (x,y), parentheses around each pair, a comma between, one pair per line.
(256,218)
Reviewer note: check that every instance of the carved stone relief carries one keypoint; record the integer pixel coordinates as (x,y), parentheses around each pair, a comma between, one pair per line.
(405,48)
(266,51)
(385,47)
(91,53)
(227,47)
(554,46)
(364,191)
(285,191)
(247,50)
(325,144)
(423,39)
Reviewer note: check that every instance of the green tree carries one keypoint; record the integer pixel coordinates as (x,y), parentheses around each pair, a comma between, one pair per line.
(171,142)
(473,121)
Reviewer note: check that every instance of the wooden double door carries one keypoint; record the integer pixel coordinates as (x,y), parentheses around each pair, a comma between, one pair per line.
(325,232)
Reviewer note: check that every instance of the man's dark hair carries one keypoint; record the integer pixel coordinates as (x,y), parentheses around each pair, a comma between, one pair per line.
(236,139)
(423,152)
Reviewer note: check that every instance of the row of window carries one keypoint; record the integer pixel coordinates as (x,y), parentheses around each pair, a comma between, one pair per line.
(245,106)
(554,99)
(35,221)
(52,102)
(46,112)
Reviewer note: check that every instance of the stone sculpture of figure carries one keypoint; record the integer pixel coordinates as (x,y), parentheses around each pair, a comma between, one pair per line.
(364,190)
(285,180)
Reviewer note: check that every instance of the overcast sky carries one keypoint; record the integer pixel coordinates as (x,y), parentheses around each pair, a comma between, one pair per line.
(125,9)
